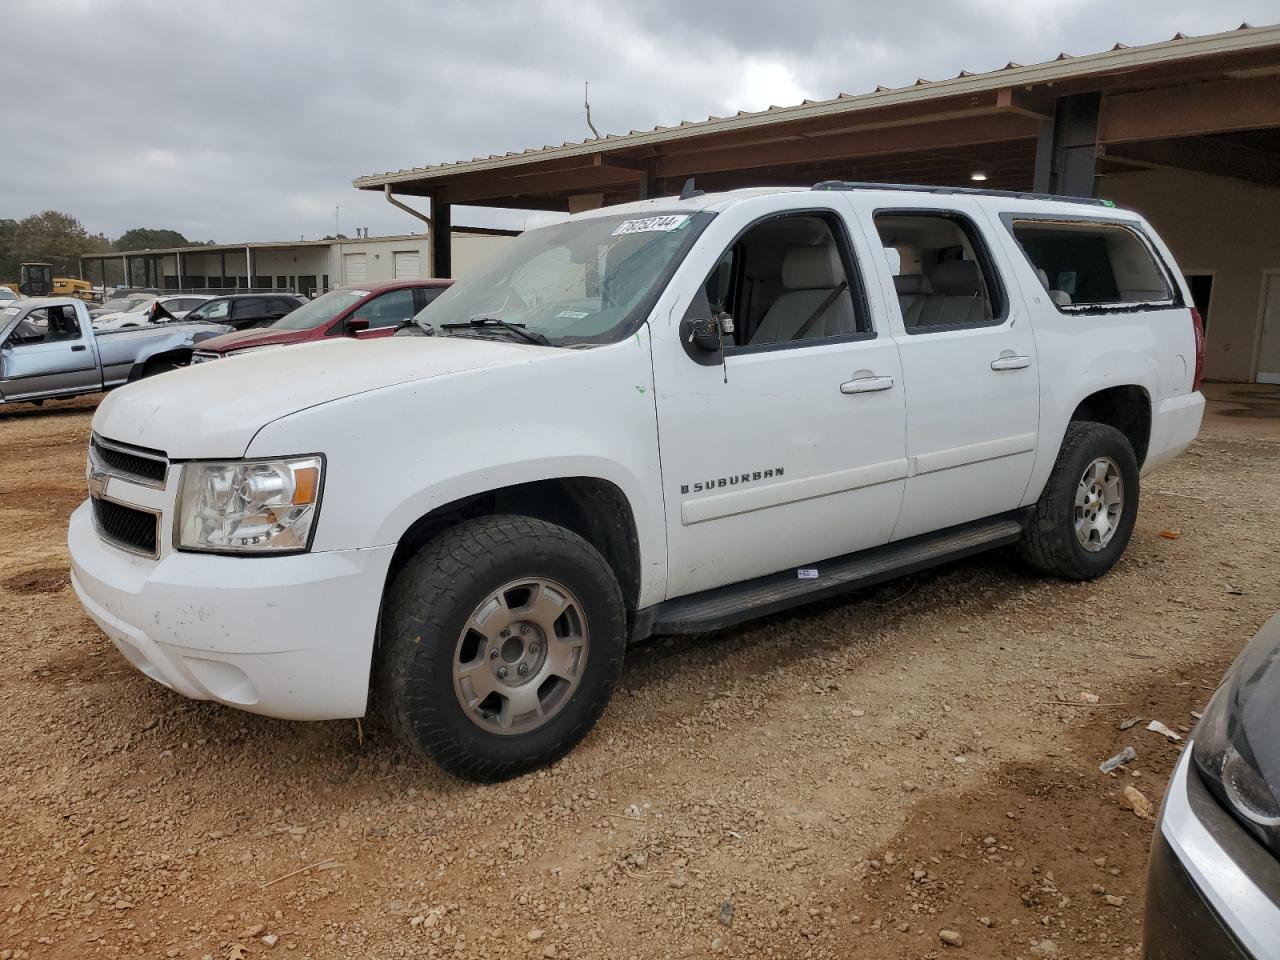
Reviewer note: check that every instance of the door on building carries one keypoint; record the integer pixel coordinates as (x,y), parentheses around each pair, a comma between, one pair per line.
(1201,286)
(408,265)
(1269,344)
(355,267)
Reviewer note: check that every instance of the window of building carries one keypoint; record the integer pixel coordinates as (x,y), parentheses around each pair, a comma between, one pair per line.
(282,283)
(1087,265)
(945,279)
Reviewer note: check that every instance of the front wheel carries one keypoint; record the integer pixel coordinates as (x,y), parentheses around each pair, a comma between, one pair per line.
(502,641)
(1083,520)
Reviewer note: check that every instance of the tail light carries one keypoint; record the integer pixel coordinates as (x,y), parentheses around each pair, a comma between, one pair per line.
(1197,325)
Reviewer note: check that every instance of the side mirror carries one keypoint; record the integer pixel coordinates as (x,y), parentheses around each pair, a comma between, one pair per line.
(357,325)
(704,335)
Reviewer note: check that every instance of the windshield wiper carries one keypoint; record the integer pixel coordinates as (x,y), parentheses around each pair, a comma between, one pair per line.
(517,328)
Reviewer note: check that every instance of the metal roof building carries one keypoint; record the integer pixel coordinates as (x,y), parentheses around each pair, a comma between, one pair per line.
(300,266)
(1186,130)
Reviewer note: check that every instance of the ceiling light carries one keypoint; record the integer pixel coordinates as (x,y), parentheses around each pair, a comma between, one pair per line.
(977,176)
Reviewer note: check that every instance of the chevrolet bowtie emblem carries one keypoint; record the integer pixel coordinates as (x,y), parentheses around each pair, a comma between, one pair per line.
(98,484)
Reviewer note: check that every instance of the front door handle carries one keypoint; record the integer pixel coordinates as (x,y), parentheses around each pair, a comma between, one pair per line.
(1010,363)
(867,385)
(78,348)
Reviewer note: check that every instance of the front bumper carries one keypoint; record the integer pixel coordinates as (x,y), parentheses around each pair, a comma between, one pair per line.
(1212,890)
(288,637)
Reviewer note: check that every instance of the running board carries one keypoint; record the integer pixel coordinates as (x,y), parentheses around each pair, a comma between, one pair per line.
(725,606)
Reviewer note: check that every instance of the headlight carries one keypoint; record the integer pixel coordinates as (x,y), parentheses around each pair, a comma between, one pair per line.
(249,506)
(1237,724)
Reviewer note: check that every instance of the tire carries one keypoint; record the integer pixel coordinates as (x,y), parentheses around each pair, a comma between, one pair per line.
(442,647)
(1083,540)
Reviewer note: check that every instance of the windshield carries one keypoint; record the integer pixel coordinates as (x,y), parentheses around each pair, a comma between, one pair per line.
(320,311)
(582,281)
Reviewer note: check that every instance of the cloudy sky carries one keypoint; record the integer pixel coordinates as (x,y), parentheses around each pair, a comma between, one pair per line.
(241,120)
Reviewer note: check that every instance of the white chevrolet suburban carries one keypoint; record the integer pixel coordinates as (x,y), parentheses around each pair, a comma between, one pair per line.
(660,418)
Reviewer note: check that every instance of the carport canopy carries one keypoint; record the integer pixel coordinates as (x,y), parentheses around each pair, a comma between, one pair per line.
(1208,104)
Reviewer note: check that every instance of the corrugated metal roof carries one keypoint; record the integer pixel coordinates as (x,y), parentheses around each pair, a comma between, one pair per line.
(1120,56)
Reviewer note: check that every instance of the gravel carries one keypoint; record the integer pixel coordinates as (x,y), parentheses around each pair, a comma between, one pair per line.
(766,769)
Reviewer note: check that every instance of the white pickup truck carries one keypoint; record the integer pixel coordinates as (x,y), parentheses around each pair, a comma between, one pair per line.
(665,417)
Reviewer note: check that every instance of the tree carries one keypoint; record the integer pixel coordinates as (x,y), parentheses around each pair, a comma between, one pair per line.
(145,238)
(8,255)
(51,237)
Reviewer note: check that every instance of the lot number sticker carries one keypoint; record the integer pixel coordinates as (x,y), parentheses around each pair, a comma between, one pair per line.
(652,224)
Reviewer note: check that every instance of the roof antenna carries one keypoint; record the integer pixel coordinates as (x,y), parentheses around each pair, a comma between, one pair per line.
(689,191)
(586,102)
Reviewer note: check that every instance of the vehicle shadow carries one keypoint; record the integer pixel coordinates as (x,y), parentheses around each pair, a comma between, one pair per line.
(21,410)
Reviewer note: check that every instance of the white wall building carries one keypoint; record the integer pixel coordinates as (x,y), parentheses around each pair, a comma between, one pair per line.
(303,266)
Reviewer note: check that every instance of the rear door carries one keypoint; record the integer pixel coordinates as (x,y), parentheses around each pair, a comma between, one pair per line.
(47,353)
(248,312)
(969,364)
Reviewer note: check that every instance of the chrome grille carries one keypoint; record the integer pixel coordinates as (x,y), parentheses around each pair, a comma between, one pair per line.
(127,527)
(138,464)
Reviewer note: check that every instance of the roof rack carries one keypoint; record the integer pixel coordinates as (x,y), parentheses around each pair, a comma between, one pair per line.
(964,191)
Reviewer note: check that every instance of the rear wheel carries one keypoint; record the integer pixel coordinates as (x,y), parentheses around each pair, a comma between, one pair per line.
(502,642)
(1084,518)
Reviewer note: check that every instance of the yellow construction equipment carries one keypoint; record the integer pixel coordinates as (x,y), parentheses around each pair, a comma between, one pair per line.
(37,280)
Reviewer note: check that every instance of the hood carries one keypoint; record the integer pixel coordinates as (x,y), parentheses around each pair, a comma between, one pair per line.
(213,410)
(257,337)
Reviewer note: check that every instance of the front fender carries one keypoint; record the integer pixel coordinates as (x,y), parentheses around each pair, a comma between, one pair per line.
(397,453)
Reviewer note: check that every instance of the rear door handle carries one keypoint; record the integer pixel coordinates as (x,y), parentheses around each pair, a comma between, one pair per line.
(77,349)
(867,385)
(1010,363)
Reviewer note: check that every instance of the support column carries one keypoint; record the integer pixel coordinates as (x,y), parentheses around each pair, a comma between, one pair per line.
(1067,155)
(222,277)
(248,266)
(177,259)
(648,187)
(441,239)
(128,280)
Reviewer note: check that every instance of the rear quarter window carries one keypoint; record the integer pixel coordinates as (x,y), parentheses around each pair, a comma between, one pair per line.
(1093,266)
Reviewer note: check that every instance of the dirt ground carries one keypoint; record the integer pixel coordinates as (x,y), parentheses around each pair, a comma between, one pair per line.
(846,781)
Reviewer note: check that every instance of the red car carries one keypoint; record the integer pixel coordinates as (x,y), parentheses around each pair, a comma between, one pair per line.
(357,310)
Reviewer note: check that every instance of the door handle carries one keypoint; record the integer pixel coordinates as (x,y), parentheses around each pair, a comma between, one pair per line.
(867,385)
(77,349)
(1010,363)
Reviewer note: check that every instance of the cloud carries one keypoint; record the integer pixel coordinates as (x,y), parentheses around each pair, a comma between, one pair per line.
(247,120)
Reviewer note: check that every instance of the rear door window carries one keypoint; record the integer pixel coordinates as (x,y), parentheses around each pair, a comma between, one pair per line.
(945,279)
(1088,266)
(248,307)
